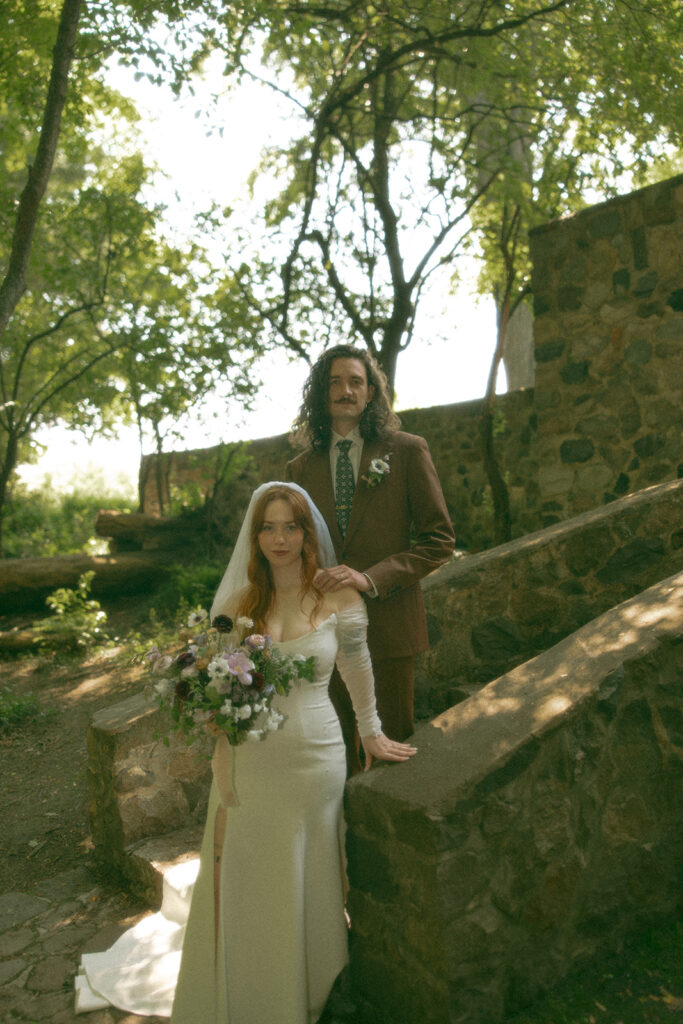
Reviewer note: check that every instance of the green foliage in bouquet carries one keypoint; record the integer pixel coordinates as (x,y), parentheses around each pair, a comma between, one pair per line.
(223,679)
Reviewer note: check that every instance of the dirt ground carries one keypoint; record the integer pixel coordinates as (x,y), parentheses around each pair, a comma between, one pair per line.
(43,791)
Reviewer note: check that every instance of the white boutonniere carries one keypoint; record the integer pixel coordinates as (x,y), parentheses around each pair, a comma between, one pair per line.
(379,468)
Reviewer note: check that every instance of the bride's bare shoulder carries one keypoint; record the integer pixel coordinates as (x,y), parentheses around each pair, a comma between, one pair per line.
(342,600)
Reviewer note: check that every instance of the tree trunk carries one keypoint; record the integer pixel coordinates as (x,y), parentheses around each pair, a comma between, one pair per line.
(9,461)
(158,469)
(501,499)
(13,286)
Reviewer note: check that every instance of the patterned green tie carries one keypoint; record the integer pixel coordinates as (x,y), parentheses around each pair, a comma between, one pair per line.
(344,486)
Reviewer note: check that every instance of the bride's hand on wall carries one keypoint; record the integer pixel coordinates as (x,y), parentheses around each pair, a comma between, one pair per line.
(381,748)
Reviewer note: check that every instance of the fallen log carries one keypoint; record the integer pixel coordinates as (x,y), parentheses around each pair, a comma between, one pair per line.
(15,640)
(136,531)
(26,582)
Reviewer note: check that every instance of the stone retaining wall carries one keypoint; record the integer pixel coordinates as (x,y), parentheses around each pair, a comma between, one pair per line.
(539,823)
(452,432)
(494,610)
(608,305)
(138,787)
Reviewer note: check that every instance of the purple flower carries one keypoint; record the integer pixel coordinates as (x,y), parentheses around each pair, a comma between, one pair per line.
(240,666)
(256,642)
(223,623)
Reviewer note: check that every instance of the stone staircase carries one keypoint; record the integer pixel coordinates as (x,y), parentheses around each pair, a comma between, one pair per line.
(488,613)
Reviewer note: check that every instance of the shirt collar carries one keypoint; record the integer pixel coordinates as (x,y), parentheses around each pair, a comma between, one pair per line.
(354,436)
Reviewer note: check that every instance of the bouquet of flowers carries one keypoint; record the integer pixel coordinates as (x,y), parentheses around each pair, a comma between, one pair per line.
(223,678)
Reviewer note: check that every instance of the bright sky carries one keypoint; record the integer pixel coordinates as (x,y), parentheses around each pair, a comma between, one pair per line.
(200,167)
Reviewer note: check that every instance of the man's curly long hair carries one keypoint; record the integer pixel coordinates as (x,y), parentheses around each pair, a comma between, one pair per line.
(257,599)
(313,425)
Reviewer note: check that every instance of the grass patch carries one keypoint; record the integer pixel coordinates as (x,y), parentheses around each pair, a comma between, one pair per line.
(18,710)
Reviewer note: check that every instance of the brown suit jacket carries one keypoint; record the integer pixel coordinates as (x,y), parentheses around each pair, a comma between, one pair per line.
(399,531)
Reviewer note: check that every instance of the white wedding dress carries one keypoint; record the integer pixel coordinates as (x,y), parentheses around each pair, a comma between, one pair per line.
(281,937)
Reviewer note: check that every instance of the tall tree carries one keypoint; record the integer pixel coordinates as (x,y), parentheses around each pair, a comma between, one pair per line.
(87,279)
(411,114)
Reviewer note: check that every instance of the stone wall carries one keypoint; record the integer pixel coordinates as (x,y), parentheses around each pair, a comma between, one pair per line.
(539,823)
(608,304)
(138,787)
(452,432)
(491,611)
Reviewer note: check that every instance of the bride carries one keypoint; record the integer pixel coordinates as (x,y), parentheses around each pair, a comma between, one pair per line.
(266,935)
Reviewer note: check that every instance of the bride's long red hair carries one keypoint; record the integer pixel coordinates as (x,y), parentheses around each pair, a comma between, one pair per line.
(257,599)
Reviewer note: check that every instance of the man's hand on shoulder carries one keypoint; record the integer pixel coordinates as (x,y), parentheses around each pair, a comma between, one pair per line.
(339,576)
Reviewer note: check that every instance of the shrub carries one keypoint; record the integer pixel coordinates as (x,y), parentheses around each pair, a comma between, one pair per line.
(188,586)
(78,621)
(41,523)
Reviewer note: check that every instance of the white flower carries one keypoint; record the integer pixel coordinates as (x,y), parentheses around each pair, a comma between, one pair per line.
(273,721)
(378,469)
(195,617)
(244,712)
(245,623)
(162,687)
(218,668)
(190,672)
(226,707)
(298,659)
(255,734)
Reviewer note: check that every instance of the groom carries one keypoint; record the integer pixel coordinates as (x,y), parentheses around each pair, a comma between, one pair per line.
(381,498)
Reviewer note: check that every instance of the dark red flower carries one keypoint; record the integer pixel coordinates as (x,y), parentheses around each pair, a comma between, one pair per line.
(257,681)
(223,623)
(182,689)
(185,659)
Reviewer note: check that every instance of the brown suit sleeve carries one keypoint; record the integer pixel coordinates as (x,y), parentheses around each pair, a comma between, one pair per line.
(433,538)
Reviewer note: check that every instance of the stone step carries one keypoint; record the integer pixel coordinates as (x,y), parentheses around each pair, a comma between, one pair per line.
(151,863)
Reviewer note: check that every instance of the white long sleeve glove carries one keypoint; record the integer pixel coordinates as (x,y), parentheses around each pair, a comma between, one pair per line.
(355,668)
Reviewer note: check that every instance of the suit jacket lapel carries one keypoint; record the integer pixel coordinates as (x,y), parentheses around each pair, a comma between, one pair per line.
(322,493)
(363,491)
